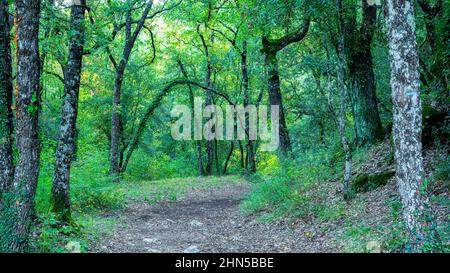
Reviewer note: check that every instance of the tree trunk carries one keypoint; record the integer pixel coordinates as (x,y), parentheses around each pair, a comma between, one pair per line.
(363,97)
(270,49)
(276,99)
(116,128)
(209,98)
(115,125)
(225,167)
(198,143)
(27,105)
(216,157)
(436,78)
(363,88)
(342,106)
(241,149)
(67,128)
(407,120)
(251,163)
(6,91)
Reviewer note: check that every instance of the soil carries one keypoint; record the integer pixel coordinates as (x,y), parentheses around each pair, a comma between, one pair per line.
(206,221)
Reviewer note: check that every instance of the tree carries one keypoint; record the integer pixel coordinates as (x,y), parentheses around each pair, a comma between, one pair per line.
(6,91)
(270,49)
(209,96)
(27,110)
(69,112)
(130,40)
(242,50)
(341,120)
(358,39)
(198,143)
(120,67)
(407,120)
(434,73)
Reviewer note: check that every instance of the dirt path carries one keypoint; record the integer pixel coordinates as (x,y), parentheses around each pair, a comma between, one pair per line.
(207,220)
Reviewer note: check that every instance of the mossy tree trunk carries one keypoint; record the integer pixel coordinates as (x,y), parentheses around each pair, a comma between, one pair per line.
(6,91)
(69,112)
(358,39)
(27,110)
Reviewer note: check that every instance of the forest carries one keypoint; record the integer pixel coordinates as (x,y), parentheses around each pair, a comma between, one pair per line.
(181,126)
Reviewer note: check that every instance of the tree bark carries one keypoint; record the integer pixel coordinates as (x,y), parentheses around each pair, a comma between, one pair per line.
(407,120)
(67,128)
(363,88)
(275,98)
(230,153)
(270,48)
(209,98)
(6,91)
(251,162)
(434,75)
(342,106)
(27,105)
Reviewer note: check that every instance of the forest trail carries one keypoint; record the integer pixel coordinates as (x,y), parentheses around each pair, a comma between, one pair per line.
(204,220)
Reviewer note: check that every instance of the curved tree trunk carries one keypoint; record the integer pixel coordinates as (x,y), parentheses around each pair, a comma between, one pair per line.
(230,153)
(67,128)
(275,98)
(6,91)
(270,49)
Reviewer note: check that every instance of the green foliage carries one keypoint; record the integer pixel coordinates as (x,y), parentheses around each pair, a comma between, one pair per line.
(50,236)
(280,187)
(91,187)
(158,167)
(396,239)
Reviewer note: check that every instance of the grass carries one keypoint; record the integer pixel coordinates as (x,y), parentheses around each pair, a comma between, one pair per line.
(280,188)
(172,189)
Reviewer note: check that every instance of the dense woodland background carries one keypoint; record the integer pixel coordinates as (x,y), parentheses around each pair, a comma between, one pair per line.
(87,89)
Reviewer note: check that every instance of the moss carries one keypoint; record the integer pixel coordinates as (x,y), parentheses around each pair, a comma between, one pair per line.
(368,182)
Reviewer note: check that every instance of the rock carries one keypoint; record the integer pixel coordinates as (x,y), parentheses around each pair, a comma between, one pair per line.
(151,250)
(150,240)
(192,249)
(73,247)
(368,182)
(373,247)
(196,223)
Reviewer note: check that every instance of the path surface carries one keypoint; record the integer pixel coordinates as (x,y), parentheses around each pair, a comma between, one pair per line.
(207,220)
